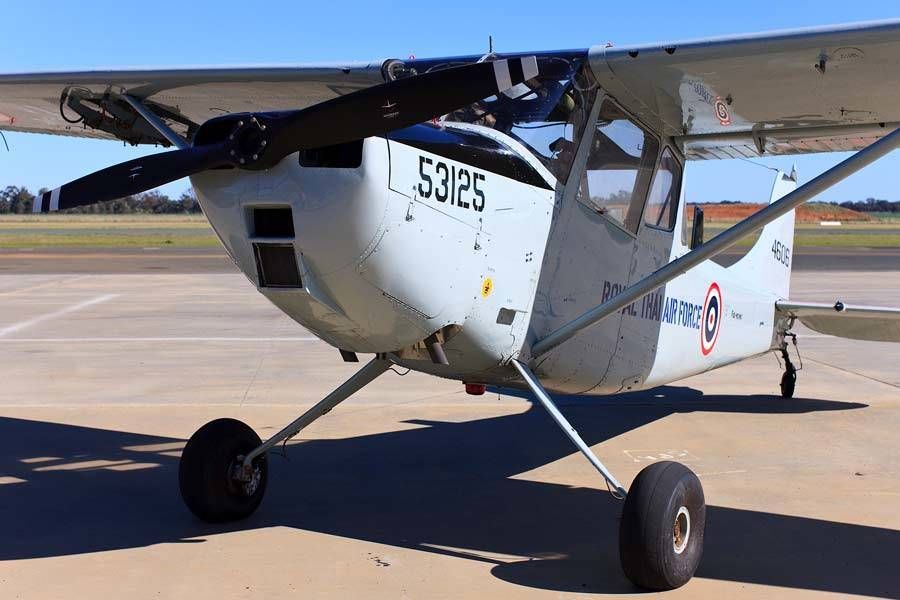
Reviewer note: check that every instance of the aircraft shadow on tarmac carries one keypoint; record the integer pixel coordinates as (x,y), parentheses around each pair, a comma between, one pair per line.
(445,488)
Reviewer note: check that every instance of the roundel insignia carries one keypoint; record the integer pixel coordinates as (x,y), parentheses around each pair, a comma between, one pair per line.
(722,112)
(712,319)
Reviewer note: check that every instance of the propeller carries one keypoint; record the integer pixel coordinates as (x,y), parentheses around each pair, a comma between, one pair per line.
(256,141)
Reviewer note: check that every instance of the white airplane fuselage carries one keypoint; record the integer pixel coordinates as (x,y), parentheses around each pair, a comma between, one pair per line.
(419,240)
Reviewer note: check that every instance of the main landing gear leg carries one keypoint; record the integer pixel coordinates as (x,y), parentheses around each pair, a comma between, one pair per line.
(664,517)
(223,470)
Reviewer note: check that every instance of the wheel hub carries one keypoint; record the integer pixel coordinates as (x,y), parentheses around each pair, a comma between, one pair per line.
(682,530)
(246,480)
(250,487)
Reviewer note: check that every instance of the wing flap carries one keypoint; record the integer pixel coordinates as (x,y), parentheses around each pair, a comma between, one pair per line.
(872,323)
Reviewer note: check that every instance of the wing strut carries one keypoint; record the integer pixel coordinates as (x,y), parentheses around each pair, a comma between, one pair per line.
(720,243)
(155,122)
(541,394)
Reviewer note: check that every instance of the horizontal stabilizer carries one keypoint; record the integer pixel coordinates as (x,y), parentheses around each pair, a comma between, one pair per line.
(872,323)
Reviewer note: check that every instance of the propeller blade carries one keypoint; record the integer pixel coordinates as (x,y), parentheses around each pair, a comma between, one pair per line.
(383,108)
(132,177)
(260,140)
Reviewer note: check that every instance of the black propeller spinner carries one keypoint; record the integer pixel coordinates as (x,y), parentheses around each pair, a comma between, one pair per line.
(256,141)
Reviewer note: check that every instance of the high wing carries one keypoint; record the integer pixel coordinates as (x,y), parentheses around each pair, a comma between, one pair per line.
(94,104)
(872,323)
(784,92)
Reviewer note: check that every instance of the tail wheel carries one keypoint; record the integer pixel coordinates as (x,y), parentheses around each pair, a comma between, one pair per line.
(206,473)
(663,521)
(788,383)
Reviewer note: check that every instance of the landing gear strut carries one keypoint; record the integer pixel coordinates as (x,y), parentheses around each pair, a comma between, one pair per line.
(224,469)
(223,475)
(664,517)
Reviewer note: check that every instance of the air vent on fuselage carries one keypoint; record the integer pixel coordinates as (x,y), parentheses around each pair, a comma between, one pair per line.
(273,222)
(276,265)
(340,156)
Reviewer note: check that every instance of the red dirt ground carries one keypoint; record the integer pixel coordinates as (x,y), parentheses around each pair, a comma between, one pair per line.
(808,213)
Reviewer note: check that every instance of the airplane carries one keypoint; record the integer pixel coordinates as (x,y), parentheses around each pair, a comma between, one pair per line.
(510,220)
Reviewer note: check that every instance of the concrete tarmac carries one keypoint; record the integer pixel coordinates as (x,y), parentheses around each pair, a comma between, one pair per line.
(413,489)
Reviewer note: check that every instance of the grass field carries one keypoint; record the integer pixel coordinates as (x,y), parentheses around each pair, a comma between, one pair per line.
(882,234)
(193,231)
(886,216)
(106,231)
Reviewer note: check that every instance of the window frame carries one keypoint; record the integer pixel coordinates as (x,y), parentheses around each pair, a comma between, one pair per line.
(604,96)
(680,162)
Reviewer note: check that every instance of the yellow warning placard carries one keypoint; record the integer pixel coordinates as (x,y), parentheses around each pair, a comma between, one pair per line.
(487,286)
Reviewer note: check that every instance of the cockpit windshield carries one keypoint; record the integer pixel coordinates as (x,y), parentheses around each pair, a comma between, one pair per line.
(547,114)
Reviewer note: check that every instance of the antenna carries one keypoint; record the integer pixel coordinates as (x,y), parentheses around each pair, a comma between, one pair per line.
(490,44)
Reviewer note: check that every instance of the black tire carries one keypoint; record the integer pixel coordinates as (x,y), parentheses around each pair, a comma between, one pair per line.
(205,472)
(788,383)
(652,553)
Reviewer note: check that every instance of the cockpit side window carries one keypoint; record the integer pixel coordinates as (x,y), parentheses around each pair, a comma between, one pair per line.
(619,168)
(662,203)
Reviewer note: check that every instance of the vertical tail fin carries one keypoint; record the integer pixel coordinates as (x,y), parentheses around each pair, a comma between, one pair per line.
(767,266)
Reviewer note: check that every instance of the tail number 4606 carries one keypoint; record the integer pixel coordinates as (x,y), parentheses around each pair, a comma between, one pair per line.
(782,253)
(446,183)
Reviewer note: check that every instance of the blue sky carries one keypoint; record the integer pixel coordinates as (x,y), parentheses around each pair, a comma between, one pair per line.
(63,35)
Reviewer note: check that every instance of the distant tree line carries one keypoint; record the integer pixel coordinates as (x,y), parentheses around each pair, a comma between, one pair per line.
(873,205)
(18,200)
(867,205)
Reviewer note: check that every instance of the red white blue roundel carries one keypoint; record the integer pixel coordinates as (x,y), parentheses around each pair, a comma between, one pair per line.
(712,319)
